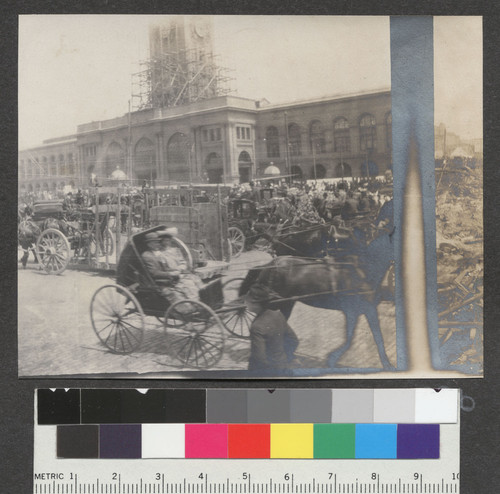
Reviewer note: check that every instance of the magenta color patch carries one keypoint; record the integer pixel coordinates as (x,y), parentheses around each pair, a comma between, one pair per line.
(206,440)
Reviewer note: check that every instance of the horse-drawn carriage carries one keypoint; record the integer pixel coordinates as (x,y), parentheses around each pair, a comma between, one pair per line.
(195,329)
(247,223)
(57,235)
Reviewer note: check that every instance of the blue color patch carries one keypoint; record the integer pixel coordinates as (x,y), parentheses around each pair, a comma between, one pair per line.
(376,440)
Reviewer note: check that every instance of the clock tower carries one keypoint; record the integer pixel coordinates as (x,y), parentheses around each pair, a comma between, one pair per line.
(182,66)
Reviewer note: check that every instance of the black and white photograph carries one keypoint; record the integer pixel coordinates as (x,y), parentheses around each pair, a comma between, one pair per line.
(248,196)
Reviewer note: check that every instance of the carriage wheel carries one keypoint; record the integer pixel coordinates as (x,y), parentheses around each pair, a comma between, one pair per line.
(197,338)
(239,320)
(117,318)
(237,240)
(53,251)
(107,244)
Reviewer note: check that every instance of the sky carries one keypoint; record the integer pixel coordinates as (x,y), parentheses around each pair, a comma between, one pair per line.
(77,69)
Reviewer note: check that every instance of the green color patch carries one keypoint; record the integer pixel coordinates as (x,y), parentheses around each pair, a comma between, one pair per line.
(334,440)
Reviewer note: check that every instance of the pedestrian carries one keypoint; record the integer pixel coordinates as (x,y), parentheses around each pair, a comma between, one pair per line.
(272,341)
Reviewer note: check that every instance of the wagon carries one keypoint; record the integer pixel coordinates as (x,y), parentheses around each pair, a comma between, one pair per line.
(65,236)
(245,224)
(52,247)
(195,330)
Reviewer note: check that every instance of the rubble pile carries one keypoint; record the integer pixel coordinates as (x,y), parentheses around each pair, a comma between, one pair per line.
(459,238)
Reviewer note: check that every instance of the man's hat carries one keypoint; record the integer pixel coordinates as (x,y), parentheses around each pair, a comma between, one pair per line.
(258,294)
(150,237)
(168,232)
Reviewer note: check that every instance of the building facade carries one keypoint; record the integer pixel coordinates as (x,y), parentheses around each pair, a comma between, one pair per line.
(187,128)
(222,140)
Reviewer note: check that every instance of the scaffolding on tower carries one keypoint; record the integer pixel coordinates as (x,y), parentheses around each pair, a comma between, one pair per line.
(175,78)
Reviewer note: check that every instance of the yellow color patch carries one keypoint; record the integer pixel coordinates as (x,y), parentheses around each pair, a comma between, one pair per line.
(292,441)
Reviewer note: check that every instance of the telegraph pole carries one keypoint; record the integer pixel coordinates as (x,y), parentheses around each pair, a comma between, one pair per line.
(287,155)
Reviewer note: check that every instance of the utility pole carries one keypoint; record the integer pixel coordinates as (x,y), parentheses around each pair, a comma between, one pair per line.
(129,145)
(314,158)
(287,154)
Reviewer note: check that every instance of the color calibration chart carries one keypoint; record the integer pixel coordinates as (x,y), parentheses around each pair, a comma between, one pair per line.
(248,441)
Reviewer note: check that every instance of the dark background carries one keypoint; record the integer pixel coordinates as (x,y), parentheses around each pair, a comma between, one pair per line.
(480,437)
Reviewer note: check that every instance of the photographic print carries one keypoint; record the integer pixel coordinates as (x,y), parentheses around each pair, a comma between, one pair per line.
(249,196)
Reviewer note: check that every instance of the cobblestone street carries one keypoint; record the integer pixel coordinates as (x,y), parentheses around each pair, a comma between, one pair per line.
(56,336)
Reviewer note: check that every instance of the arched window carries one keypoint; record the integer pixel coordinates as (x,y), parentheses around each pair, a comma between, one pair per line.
(272,142)
(144,159)
(244,157)
(367,132)
(369,169)
(294,141)
(178,149)
(343,170)
(317,137)
(178,157)
(296,172)
(318,172)
(115,157)
(341,136)
(388,131)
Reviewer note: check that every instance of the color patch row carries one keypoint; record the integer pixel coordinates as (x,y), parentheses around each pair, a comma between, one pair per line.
(239,406)
(352,441)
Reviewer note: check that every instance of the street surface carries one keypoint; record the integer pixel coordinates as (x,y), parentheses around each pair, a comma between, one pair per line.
(56,337)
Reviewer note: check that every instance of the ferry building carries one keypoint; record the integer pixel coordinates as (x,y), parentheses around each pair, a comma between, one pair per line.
(187,128)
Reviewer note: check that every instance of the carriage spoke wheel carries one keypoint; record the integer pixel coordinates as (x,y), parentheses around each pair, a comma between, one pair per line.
(239,320)
(237,240)
(106,244)
(53,251)
(117,318)
(197,338)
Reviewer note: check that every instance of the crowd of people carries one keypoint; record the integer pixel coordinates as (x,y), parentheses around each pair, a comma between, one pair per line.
(303,203)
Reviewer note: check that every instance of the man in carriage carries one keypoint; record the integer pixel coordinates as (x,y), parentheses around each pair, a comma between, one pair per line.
(166,268)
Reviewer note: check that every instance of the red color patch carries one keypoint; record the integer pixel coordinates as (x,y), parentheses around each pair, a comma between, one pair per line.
(249,441)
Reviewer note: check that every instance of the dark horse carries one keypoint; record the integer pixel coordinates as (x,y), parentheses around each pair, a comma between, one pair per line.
(304,241)
(351,286)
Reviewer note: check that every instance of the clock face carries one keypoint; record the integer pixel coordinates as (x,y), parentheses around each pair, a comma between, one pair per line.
(201,28)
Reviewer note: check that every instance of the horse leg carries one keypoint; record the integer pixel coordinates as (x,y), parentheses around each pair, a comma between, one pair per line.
(24,259)
(351,320)
(374,323)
